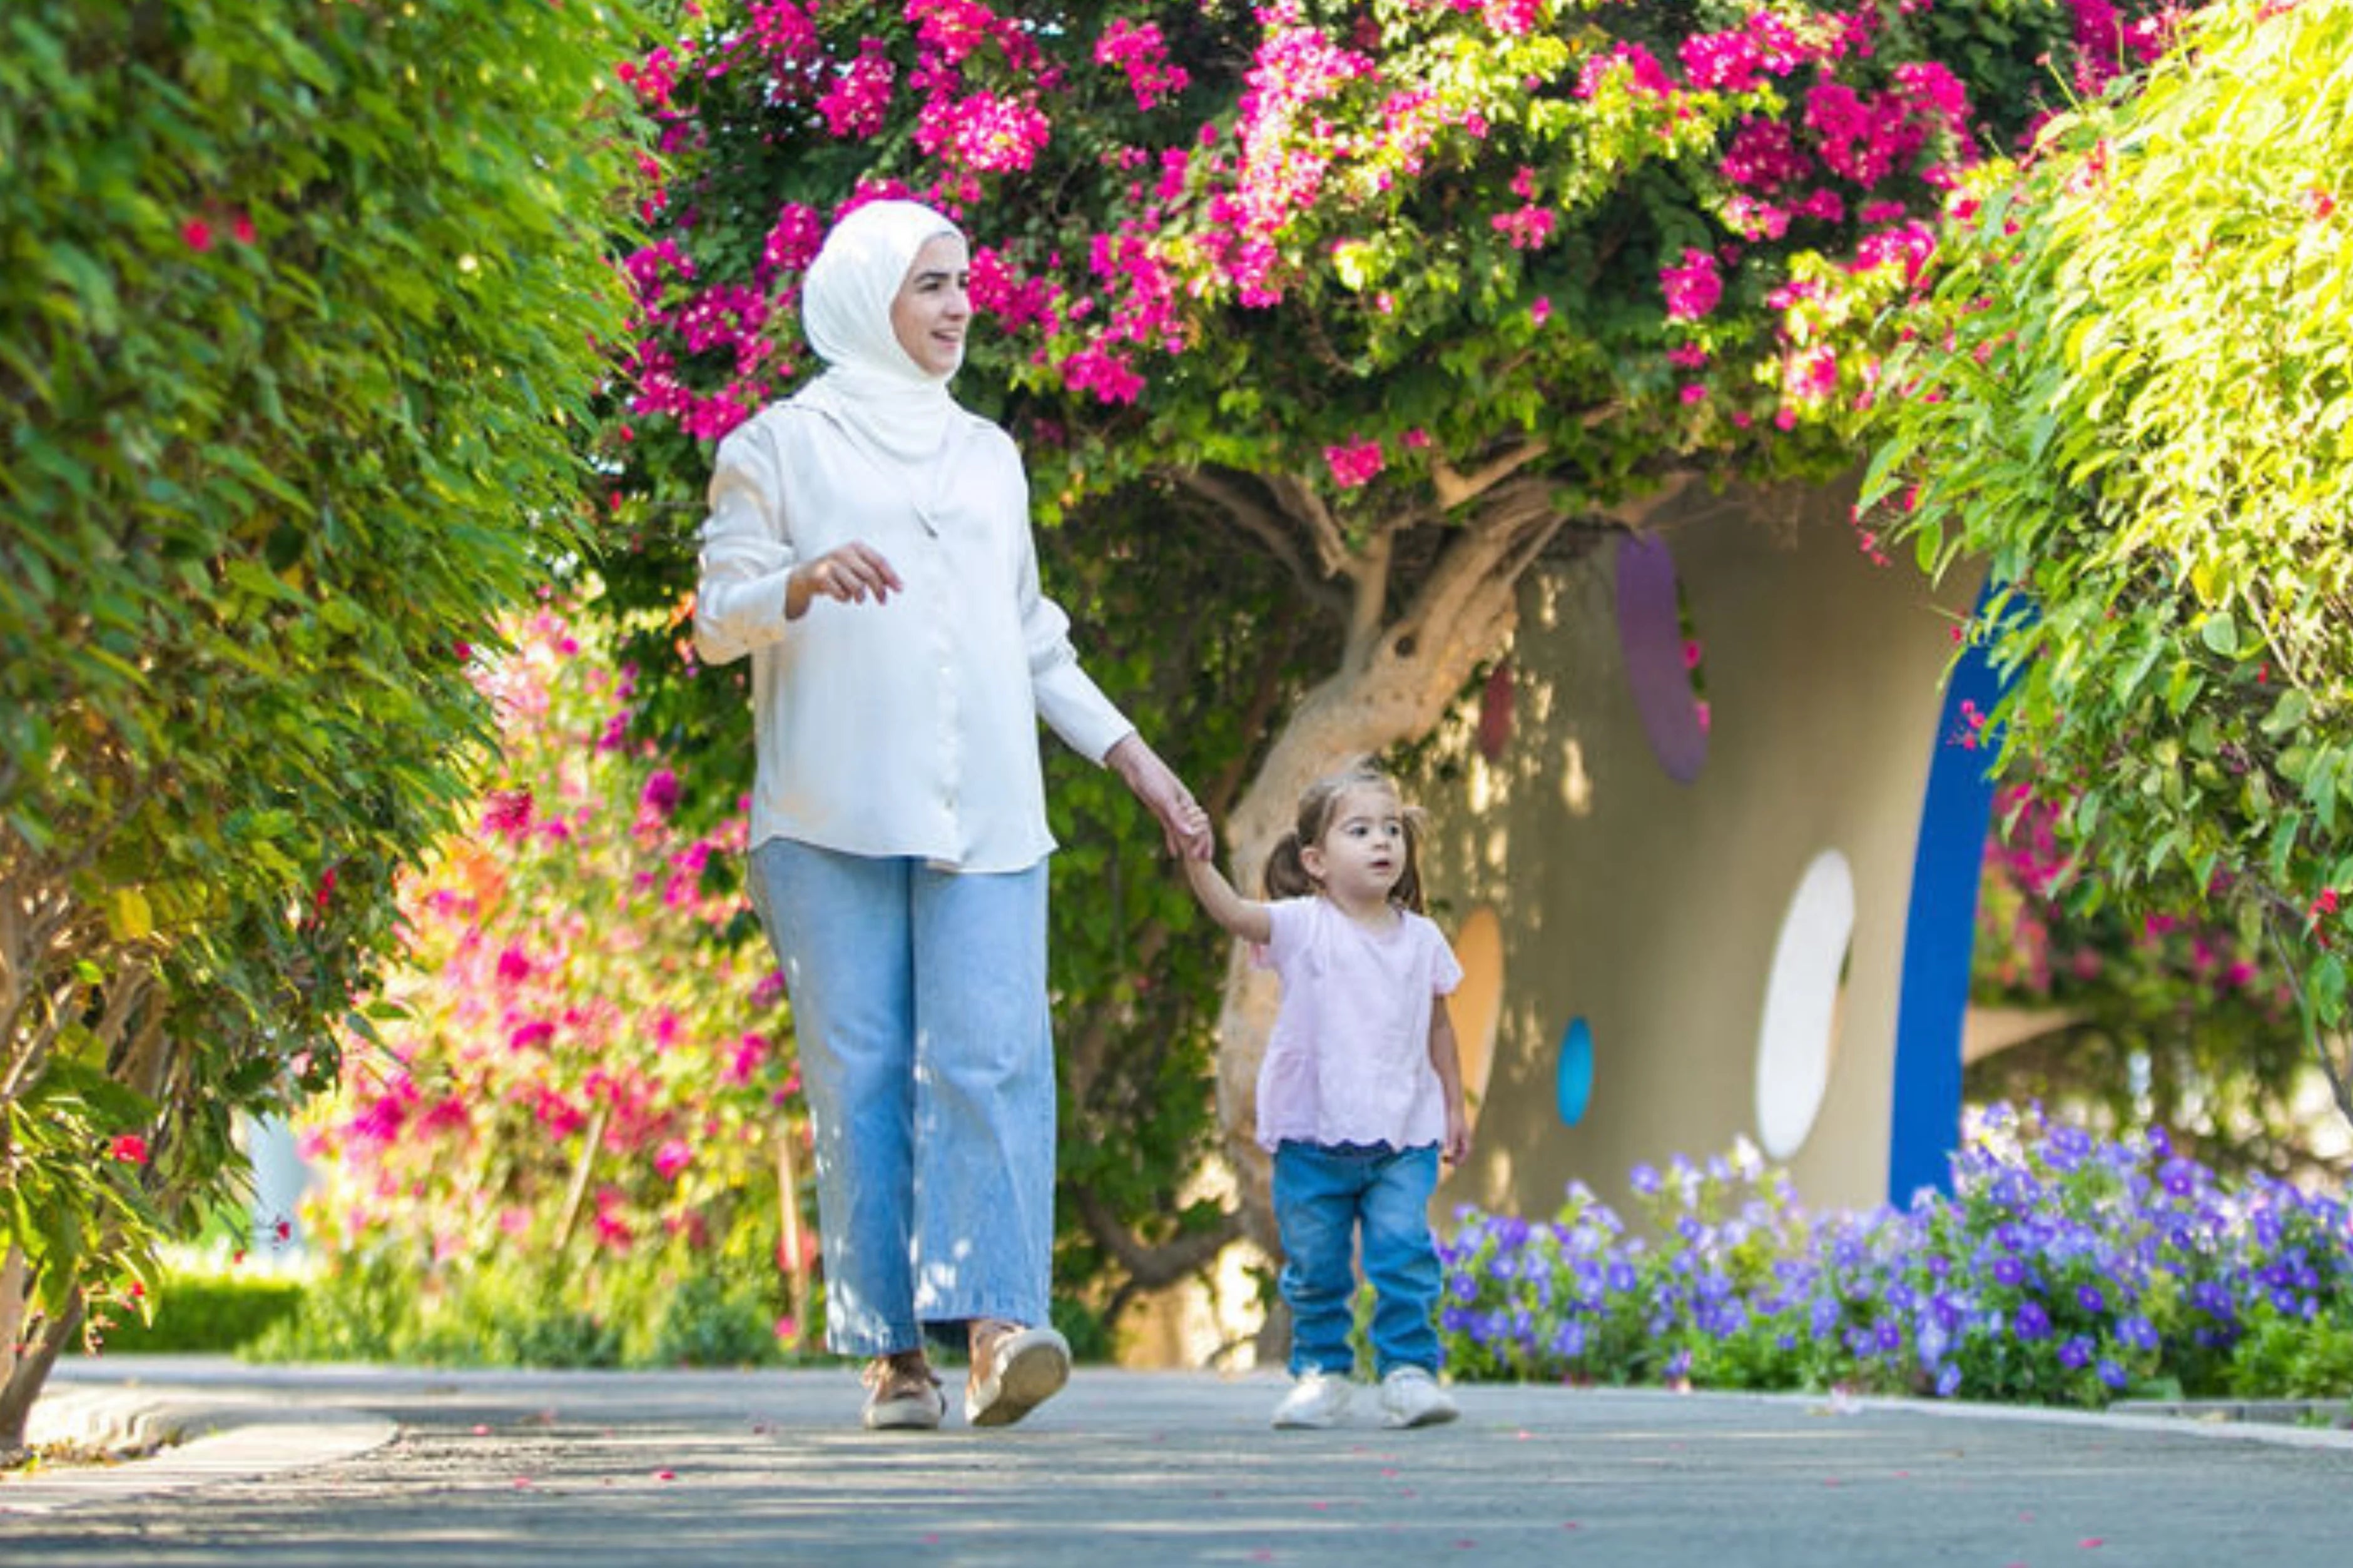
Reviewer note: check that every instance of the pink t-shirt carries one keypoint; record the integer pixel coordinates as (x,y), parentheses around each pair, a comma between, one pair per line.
(1349,1060)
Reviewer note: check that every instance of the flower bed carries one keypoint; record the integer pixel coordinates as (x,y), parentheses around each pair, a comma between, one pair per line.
(2064,1268)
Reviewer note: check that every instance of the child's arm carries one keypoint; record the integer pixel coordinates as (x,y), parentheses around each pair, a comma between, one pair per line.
(1238,915)
(1447,1062)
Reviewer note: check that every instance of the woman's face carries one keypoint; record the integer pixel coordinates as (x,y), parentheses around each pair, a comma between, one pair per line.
(933,305)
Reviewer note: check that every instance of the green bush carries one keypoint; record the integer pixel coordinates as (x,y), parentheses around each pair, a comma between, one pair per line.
(205,1314)
(2287,1356)
(661,1309)
(303,311)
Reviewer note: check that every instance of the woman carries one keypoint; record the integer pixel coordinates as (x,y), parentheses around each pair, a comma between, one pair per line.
(869,546)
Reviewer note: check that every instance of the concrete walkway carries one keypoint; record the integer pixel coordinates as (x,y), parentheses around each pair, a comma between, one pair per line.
(355,1466)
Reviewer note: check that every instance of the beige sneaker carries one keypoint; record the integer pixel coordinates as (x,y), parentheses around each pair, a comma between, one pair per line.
(902,1393)
(1014,1371)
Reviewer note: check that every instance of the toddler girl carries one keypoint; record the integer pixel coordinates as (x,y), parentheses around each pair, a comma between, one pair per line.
(1360,1093)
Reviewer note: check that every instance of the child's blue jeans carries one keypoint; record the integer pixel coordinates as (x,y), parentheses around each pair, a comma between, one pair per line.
(1321,1196)
(919,1007)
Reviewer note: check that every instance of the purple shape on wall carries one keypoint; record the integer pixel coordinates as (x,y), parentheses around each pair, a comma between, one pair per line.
(1650,630)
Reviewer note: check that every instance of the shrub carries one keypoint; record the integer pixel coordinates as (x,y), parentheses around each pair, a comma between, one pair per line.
(2064,1269)
(206,1312)
(293,394)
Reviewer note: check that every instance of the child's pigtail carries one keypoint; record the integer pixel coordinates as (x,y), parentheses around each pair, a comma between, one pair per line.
(1286,874)
(1408,891)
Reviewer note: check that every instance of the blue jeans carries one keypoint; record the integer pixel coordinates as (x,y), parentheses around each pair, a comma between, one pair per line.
(1321,1196)
(926,1052)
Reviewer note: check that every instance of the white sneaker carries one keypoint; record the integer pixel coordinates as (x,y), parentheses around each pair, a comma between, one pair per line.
(1411,1397)
(1314,1402)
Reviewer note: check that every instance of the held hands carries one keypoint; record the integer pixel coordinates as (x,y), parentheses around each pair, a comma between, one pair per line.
(1183,823)
(849,574)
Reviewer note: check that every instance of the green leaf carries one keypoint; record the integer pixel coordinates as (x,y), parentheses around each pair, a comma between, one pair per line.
(2294,706)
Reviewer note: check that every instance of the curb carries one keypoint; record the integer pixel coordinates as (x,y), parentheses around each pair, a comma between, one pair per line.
(166,1440)
(2276,1422)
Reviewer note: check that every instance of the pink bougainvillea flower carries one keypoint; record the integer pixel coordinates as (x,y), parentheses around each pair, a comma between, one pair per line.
(508,811)
(197,234)
(660,794)
(1355,464)
(1694,289)
(129,1148)
(242,227)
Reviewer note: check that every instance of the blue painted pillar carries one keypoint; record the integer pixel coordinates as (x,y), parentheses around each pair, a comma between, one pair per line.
(1940,936)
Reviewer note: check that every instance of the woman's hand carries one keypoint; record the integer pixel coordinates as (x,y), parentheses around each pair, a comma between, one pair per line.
(1182,824)
(849,572)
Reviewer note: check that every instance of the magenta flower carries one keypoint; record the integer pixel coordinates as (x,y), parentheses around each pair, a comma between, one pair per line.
(860,99)
(671,1158)
(1694,289)
(1355,464)
(508,812)
(660,795)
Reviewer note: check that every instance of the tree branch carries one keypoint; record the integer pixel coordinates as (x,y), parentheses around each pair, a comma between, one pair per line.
(1454,487)
(1263,525)
(1300,499)
(1152,1268)
(2339,1086)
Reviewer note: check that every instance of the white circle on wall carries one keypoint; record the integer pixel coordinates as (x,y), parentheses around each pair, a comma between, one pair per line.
(1799,1032)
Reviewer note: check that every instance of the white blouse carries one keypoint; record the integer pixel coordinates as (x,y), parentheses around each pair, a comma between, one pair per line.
(909,727)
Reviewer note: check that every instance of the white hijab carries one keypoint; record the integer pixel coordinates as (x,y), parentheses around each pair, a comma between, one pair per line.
(870,383)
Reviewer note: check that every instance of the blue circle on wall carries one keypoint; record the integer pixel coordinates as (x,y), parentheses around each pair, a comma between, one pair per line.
(1573,1082)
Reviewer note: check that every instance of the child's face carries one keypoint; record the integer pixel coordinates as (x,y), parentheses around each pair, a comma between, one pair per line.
(1361,855)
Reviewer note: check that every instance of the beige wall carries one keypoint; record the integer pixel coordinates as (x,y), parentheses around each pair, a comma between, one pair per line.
(1651,908)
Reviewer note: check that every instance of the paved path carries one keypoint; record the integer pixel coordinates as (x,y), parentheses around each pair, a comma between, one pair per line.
(355,1467)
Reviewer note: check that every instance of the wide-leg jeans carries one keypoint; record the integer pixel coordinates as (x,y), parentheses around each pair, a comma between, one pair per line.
(1322,1196)
(926,1052)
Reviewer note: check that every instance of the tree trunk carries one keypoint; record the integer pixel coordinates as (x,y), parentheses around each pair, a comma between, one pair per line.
(29,1347)
(796,1270)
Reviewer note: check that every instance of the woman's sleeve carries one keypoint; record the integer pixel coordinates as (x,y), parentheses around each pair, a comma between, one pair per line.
(739,598)
(1070,701)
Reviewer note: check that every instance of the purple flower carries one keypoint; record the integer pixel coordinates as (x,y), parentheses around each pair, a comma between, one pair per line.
(660,792)
(2091,1298)
(2076,1353)
(2032,1321)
